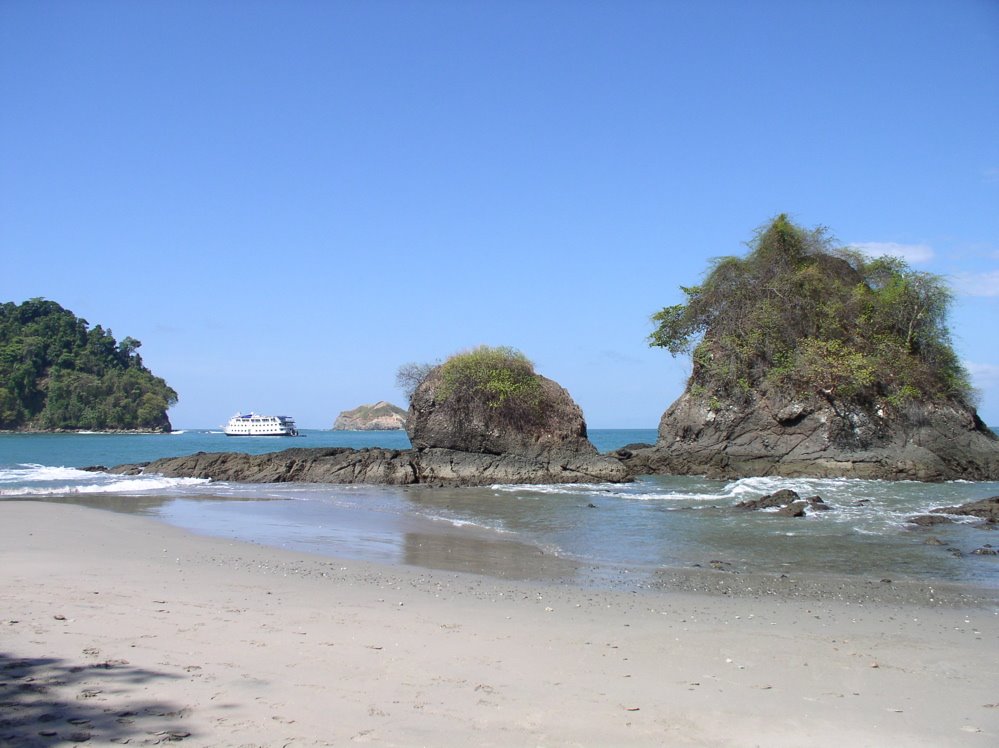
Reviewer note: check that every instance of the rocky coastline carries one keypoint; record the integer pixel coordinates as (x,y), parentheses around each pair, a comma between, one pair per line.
(768,436)
(436,467)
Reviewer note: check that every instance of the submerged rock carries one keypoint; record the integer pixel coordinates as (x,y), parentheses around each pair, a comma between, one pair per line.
(787,503)
(987,509)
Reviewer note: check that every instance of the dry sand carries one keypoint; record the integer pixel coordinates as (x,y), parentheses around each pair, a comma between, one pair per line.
(120,629)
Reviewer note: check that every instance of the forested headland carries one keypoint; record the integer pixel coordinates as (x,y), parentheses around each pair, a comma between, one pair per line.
(58,373)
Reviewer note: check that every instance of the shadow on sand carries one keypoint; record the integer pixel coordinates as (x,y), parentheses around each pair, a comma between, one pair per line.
(49,701)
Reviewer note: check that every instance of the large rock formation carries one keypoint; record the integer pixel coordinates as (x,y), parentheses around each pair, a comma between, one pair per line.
(811,360)
(769,436)
(552,424)
(382,416)
(540,441)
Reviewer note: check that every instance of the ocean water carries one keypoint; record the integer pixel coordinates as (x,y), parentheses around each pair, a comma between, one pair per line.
(605,530)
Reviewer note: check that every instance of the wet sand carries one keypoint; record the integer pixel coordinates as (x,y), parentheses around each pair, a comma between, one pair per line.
(121,629)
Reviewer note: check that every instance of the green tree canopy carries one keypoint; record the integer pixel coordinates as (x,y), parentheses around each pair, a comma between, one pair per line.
(56,372)
(801,315)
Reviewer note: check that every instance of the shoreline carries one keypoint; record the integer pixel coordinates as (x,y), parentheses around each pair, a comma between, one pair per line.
(430,547)
(121,627)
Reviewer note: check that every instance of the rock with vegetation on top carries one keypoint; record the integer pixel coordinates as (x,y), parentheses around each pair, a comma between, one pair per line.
(491,401)
(382,416)
(809,360)
(489,406)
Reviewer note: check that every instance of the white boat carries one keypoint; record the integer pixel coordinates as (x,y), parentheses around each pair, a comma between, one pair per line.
(255,425)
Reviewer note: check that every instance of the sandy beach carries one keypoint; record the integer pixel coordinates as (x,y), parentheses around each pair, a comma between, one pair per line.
(119,629)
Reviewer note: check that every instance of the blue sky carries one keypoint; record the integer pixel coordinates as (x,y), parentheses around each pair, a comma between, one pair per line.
(285,201)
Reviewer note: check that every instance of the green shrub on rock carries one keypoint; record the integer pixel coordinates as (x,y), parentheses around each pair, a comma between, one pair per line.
(500,378)
(801,316)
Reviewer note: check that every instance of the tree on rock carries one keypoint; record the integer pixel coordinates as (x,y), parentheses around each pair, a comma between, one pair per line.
(800,316)
(813,359)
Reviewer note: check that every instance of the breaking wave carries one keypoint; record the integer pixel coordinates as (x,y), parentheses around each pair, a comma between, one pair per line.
(46,480)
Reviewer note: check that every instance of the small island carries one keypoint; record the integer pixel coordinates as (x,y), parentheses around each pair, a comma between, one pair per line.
(381,416)
(59,374)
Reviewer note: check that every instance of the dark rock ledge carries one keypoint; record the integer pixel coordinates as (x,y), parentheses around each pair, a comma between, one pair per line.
(984,509)
(443,467)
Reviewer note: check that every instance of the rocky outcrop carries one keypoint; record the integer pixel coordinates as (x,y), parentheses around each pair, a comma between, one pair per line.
(547,439)
(456,442)
(987,509)
(787,503)
(554,425)
(381,416)
(819,438)
(440,467)
(306,465)
(810,359)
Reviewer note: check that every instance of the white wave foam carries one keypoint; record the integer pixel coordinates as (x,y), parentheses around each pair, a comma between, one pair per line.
(455,522)
(98,483)
(556,488)
(31,473)
(803,486)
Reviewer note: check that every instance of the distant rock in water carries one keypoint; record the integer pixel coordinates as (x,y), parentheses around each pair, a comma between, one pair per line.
(382,416)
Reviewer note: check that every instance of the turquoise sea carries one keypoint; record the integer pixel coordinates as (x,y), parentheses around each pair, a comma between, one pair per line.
(610,532)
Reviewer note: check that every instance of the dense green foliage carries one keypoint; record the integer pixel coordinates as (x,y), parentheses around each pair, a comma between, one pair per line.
(58,373)
(498,383)
(499,377)
(800,316)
